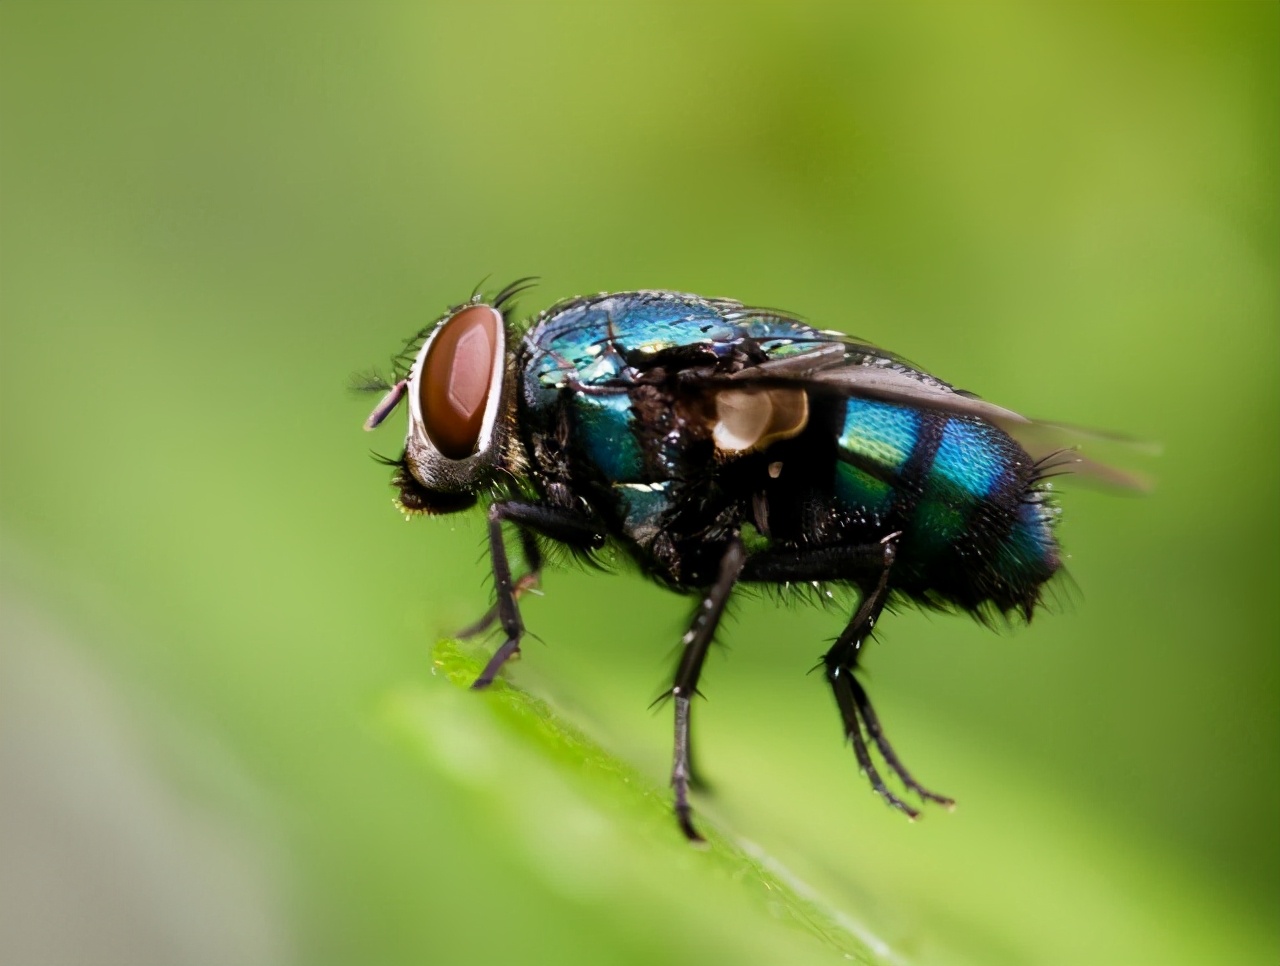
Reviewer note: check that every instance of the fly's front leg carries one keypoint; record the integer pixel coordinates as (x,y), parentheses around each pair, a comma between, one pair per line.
(565,526)
(526,582)
(696,642)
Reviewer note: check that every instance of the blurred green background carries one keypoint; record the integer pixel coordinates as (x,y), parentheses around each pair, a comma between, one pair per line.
(210,214)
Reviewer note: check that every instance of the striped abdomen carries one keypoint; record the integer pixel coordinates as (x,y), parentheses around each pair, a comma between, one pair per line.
(976,527)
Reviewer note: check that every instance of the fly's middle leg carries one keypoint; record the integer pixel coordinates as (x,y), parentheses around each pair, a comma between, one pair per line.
(696,642)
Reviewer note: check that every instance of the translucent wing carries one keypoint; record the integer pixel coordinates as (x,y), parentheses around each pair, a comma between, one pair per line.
(857,369)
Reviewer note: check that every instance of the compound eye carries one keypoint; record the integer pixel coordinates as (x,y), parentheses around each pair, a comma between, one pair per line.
(455,380)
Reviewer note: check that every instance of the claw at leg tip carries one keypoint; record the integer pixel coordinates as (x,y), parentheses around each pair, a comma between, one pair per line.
(691,834)
(694,837)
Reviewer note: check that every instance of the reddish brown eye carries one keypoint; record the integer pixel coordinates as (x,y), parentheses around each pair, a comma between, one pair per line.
(455,380)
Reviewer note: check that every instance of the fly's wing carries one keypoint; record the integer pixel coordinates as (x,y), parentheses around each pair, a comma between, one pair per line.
(857,369)
(886,383)
(1057,449)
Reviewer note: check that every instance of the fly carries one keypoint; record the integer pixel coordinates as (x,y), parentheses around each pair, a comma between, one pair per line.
(720,445)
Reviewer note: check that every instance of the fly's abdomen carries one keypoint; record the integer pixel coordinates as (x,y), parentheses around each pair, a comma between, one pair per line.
(976,527)
(875,443)
(973,480)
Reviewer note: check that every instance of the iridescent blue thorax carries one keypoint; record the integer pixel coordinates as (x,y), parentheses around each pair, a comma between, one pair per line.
(591,346)
(590,339)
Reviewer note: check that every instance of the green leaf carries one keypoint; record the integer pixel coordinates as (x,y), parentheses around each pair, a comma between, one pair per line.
(580,815)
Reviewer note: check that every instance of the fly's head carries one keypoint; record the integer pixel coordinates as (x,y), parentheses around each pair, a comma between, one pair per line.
(459,386)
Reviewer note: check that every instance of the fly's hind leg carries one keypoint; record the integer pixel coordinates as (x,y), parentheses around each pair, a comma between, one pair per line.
(870,565)
(858,715)
(868,716)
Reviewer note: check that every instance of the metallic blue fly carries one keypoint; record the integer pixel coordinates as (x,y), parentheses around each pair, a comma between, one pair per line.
(718,445)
